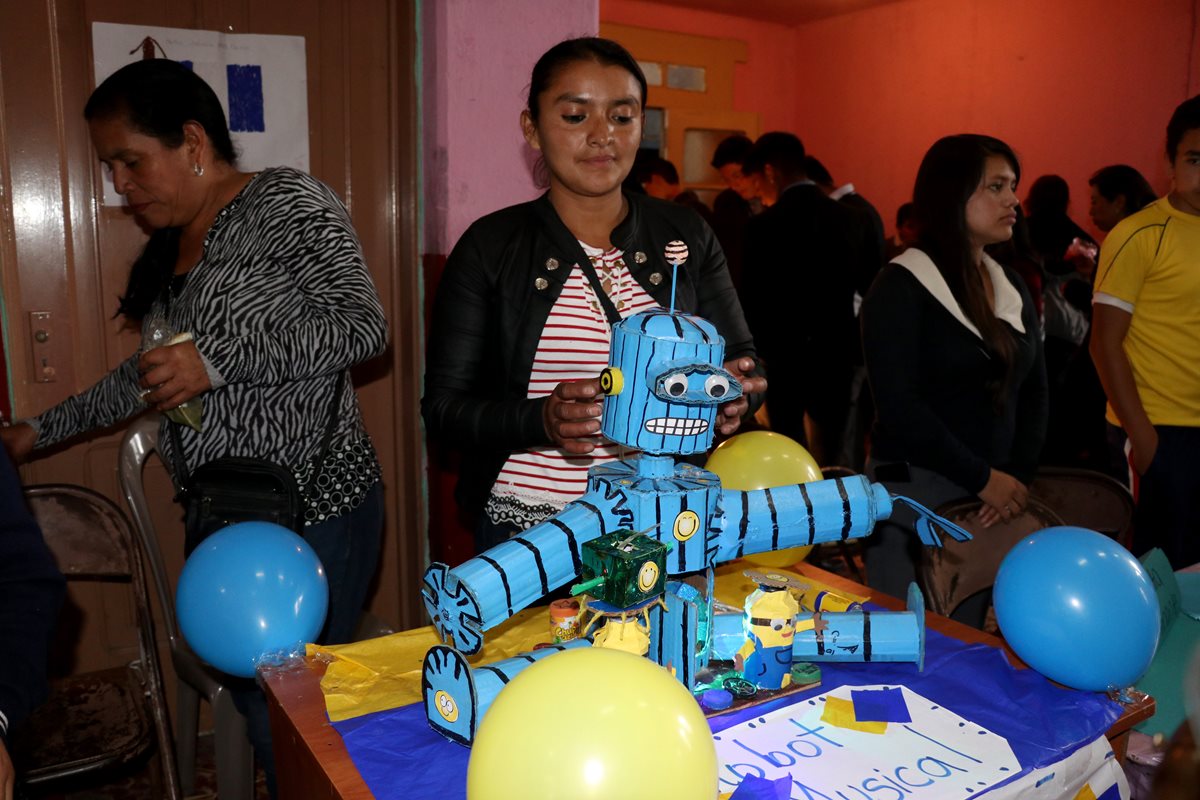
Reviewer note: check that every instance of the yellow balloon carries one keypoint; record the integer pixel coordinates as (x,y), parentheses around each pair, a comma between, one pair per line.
(593,723)
(760,460)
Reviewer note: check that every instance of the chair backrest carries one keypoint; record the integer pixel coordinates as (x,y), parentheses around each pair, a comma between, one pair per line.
(1087,499)
(90,538)
(957,570)
(140,440)
(88,535)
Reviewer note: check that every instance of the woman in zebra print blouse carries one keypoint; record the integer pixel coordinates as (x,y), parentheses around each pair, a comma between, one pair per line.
(266,272)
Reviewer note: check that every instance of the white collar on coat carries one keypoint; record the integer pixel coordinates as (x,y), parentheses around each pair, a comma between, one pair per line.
(1008,299)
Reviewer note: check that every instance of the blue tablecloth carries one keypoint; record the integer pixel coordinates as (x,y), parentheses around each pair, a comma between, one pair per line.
(400,756)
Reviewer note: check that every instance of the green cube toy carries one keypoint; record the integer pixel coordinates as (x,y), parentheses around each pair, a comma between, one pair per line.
(631,565)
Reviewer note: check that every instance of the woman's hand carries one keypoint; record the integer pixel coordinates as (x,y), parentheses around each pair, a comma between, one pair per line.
(174,374)
(572,415)
(1003,498)
(18,441)
(729,415)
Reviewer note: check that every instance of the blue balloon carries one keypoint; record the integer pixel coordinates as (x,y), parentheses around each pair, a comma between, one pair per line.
(250,590)
(1078,607)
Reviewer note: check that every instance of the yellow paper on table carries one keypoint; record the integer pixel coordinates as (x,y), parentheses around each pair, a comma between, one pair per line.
(378,674)
(840,713)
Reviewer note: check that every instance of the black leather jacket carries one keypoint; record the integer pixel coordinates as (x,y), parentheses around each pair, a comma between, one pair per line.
(496,292)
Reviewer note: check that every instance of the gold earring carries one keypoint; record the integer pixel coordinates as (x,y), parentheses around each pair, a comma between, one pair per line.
(198,169)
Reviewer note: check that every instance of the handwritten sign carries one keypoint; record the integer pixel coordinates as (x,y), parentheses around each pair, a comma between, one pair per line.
(934,754)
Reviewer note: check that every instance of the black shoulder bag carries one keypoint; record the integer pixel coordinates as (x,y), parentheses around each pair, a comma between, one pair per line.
(241,489)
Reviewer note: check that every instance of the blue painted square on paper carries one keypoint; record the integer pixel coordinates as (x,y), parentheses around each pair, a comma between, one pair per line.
(880,705)
(755,788)
(245,97)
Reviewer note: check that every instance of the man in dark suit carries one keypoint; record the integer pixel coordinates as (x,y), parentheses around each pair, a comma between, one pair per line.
(804,259)
(734,206)
(853,452)
(872,238)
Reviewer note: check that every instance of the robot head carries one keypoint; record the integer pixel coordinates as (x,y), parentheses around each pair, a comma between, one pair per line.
(664,383)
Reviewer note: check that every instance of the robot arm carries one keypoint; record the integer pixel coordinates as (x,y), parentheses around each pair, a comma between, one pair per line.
(811,513)
(481,593)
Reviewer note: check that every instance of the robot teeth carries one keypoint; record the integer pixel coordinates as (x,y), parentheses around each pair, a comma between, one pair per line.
(674,426)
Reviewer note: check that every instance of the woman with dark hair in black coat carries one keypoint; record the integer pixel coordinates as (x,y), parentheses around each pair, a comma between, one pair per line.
(954,356)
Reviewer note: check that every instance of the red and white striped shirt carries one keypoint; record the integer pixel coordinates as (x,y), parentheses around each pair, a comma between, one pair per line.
(536,483)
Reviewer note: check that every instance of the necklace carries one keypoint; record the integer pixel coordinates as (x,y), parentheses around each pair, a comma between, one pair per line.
(612,279)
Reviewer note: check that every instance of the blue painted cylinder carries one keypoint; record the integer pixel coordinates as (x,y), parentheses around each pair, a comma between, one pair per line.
(456,695)
(860,636)
(799,514)
(486,590)
(864,636)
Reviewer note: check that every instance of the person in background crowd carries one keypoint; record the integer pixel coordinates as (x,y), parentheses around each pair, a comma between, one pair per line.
(954,357)
(1116,192)
(1050,228)
(906,232)
(660,179)
(31,590)
(806,254)
(1067,254)
(847,195)
(734,206)
(522,317)
(1145,343)
(853,451)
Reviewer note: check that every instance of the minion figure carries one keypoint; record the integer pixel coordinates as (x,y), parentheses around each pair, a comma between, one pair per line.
(765,659)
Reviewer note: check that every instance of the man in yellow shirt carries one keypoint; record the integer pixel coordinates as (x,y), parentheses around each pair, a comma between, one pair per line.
(1146,345)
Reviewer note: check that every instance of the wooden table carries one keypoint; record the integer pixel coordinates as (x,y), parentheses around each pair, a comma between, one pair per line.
(1142,707)
(312,762)
(310,758)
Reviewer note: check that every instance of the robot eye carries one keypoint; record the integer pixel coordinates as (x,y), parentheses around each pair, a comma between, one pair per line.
(716,386)
(676,385)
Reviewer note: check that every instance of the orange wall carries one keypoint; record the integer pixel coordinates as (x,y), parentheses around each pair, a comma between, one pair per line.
(1072,85)
(755,83)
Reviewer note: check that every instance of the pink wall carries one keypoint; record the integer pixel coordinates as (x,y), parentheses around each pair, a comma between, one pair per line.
(477,56)
(756,84)
(1072,85)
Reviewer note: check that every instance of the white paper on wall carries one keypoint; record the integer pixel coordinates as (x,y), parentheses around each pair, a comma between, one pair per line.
(936,754)
(260,80)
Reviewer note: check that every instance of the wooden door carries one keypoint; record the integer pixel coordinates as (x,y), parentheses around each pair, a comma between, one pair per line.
(65,257)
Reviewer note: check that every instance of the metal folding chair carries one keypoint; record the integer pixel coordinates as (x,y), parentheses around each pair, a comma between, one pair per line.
(1087,499)
(96,722)
(235,757)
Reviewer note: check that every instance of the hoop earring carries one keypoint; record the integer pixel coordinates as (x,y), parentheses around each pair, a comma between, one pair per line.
(198,169)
